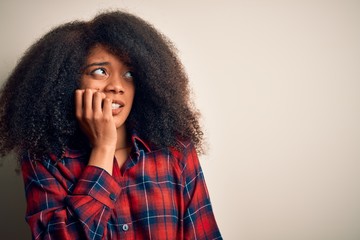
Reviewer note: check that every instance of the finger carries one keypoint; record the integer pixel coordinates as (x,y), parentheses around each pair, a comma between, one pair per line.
(97,102)
(79,103)
(107,111)
(87,103)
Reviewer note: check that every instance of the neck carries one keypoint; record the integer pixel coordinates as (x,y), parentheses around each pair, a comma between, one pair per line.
(122,141)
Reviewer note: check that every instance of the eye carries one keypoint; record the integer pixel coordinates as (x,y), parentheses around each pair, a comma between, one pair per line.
(98,71)
(128,75)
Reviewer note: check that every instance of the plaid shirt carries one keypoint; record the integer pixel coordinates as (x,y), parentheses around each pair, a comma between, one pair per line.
(157,194)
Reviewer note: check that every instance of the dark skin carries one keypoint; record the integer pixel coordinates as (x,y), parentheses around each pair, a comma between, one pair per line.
(103,104)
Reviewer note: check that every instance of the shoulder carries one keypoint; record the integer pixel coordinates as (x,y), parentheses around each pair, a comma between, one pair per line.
(70,158)
(184,154)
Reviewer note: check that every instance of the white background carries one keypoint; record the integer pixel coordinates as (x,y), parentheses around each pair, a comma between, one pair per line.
(278,86)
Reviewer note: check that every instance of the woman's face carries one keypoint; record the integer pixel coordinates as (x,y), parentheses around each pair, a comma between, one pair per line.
(105,72)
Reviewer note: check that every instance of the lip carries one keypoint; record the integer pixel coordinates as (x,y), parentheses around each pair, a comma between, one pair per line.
(118,110)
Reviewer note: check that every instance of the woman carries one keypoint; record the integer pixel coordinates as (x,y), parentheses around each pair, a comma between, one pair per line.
(100,116)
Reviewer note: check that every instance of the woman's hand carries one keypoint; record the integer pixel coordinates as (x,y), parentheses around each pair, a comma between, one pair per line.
(94,113)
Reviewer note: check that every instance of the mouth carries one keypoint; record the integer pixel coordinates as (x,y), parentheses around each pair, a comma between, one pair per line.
(116,107)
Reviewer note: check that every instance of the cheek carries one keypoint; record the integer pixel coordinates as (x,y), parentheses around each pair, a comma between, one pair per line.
(131,92)
(87,83)
(132,97)
(84,83)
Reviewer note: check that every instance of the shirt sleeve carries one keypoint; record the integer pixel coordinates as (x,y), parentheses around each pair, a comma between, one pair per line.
(199,220)
(59,209)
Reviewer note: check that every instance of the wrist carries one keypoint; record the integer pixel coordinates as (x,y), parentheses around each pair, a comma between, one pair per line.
(103,157)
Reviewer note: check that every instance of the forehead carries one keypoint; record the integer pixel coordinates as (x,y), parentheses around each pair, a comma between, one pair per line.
(102,53)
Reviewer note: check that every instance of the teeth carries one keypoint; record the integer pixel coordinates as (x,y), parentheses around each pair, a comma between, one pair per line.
(115,105)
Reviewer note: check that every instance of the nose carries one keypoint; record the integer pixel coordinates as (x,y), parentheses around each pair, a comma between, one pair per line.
(115,85)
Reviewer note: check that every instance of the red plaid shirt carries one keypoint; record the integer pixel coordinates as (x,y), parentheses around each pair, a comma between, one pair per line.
(157,194)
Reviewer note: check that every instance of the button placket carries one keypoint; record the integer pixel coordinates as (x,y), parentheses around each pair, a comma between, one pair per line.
(125,227)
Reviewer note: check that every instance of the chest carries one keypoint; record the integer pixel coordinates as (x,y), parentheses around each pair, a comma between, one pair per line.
(151,198)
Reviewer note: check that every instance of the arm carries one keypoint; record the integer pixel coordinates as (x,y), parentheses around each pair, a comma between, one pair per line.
(199,220)
(58,208)
(98,124)
(62,206)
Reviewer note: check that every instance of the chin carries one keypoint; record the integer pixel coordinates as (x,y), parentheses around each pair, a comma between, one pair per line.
(119,124)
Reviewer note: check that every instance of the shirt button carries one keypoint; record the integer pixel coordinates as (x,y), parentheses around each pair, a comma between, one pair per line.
(112,196)
(125,227)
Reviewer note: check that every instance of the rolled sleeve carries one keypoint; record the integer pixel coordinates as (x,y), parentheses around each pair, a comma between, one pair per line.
(99,184)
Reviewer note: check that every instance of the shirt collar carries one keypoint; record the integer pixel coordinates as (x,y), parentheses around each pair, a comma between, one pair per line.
(139,144)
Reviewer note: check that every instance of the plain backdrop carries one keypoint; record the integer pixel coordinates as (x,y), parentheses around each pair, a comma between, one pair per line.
(278,85)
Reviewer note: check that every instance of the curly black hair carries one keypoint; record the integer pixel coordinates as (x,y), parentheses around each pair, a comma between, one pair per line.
(37,100)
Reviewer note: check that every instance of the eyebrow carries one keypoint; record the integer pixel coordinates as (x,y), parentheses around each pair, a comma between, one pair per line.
(96,64)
